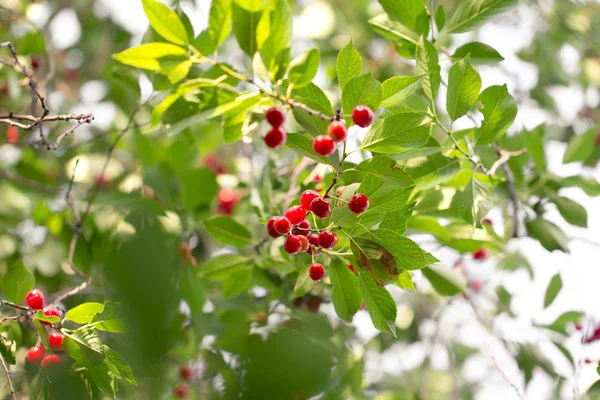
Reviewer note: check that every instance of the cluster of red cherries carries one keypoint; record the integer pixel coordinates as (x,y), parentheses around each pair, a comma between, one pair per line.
(36,355)
(185,373)
(322,144)
(300,236)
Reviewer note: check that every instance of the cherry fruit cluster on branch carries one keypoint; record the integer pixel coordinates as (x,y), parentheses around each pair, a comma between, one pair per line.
(301,237)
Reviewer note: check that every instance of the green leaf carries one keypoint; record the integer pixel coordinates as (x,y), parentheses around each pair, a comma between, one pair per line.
(130,201)
(444,280)
(553,289)
(464,84)
(535,147)
(405,281)
(302,143)
(42,332)
(361,90)
(408,254)
(237,283)
(473,203)
(275,50)
(432,171)
(219,20)
(560,324)
(96,370)
(549,235)
(379,302)
(573,212)
(84,313)
(580,147)
(440,18)
(120,364)
(165,22)
(393,134)
(312,96)
(6,351)
(245,23)
(499,110)
(303,283)
(398,88)
(394,31)
(471,14)
(87,337)
(109,319)
(17,282)
(480,53)
(428,65)
(191,180)
(303,68)
(589,185)
(348,64)
(220,267)
(51,319)
(345,294)
(407,13)
(387,170)
(226,230)
(147,56)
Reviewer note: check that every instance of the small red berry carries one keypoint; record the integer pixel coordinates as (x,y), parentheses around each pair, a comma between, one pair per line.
(298,302)
(50,361)
(318,178)
(275,116)
(323,145)
(358,203)
(313,304)
(262,318)
(588,361)
(305,243)
(351,268)
(337,130)
(275,138)
(293,244)
(35,354)
(103,181)
(295,214)
(50,311)
(227,199)
(12,134)
(316,271)
(313,239)
(307,197)
(282,225)
(186,372)
(214,164)
(36,63)
(302,229)
(578,326)
(487,221)
(480,254)
(35,299)
(320,207)
(56,341)
(327,240)
(184,251)
(271,227)
(362,116)
(181,391)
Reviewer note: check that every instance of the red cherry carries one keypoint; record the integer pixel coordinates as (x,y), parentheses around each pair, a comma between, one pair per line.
(313,239)
(36,63)
(487,221)
(318,178)
(578,326)
(185,372)
(227,199)
(588,361)
(362,116)
(275,116)
(293,244)
(275,138)
(295,214)
(480,254)
(56,341)
(351,268)
(337,130)
(214,164)
(307,197)
(35,354)
(35,299)
(327,240)
(50,311)
(271,227)
(320,207)
(184,251)
(181,391)
(358,203)
(282,225)
(12,134)
(50,361)
(313,304)
(305,243)
(323,145)
(103,181)
(303,228)
(316,271)
(597,140)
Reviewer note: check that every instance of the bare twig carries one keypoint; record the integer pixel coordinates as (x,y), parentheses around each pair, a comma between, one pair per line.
(8,175)
(68,132)
(12,389)
(13,305)
(504,157)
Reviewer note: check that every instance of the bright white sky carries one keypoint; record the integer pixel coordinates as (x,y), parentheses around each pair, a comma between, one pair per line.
(579,269)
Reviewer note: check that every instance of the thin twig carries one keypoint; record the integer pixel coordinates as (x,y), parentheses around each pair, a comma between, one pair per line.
(8,175)
(12,389)
(504,157)
(68,132)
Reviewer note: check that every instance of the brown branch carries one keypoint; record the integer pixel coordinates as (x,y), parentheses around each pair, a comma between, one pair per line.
(11,119)
(12,389)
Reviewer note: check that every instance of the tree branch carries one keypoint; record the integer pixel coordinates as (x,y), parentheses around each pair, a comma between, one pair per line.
(10,384)
(514,199)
